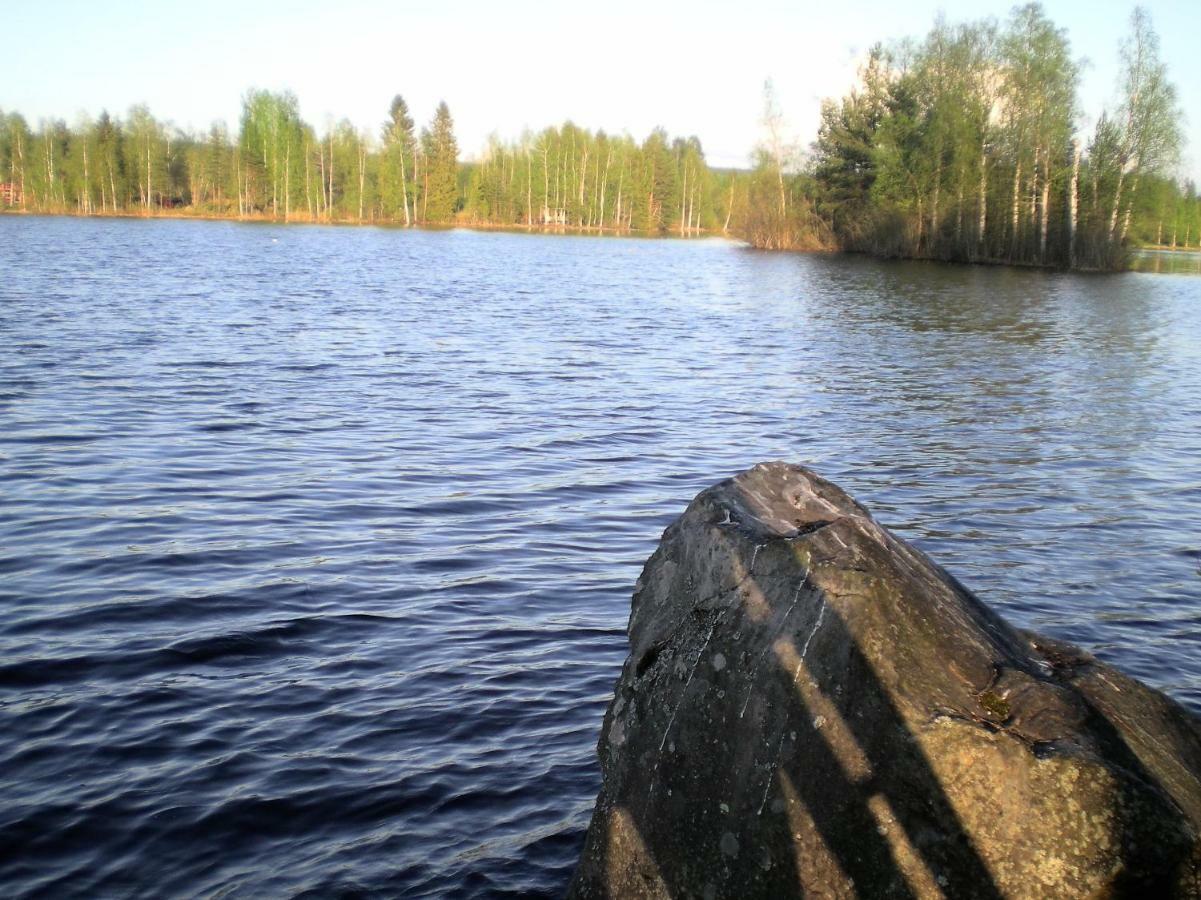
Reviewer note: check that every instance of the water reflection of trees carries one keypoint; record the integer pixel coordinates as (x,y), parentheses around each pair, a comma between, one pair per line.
(957,347)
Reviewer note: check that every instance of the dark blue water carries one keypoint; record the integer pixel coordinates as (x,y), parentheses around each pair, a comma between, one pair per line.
(316,544)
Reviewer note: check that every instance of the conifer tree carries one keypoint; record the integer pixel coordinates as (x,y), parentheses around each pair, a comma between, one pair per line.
(442,155)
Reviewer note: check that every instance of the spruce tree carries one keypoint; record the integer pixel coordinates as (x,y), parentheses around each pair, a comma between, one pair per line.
(442,155)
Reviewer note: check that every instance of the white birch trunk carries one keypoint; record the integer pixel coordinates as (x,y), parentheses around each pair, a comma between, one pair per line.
(545,184)
(321,175)
(404,188)
(1129,207)
(288,182)
(683,195)
(112,183)
(329,199)
(87,184)
(1073,203)
(620,181)
(1044,210)
(982,220)
(1117,201)
(604,183)
(1017,186)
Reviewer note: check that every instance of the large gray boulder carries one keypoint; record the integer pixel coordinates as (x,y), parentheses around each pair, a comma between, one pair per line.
(811,707)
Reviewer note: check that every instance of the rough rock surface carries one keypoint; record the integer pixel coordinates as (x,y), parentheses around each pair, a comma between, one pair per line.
(811,707)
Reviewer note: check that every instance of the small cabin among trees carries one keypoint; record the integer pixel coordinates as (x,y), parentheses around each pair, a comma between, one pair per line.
(10,193)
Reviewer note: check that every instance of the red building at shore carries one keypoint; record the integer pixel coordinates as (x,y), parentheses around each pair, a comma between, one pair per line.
(10,193)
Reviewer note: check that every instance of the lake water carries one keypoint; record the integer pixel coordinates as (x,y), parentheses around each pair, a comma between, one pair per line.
(316,544)
(1168,262)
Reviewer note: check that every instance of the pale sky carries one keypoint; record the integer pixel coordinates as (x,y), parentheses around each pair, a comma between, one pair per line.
(692,66)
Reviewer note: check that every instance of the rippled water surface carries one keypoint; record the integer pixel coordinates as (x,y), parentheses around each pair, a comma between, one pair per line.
(316,544)
(1181,262)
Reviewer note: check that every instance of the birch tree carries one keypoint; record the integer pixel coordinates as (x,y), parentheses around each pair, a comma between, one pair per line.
(398,148)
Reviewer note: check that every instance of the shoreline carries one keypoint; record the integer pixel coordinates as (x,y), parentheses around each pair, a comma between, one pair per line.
(471,225)
(572,230)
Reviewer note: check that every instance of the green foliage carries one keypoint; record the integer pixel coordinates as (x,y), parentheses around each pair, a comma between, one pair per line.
(844,164)
(272,137)
(962,145)
(570,177)
(777,211)
(396,185)
(276,166)
(441,184)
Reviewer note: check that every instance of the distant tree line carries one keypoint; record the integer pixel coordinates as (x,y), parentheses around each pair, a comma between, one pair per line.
(277,166)
(960,146)
(572,177)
